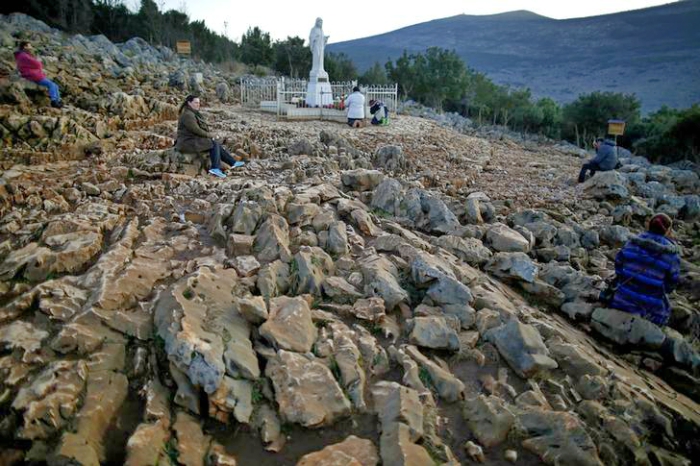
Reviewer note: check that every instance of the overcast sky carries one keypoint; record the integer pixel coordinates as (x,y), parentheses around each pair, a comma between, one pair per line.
(362,18)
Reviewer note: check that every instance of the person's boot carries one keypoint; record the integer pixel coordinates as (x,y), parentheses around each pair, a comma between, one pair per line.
(56,104)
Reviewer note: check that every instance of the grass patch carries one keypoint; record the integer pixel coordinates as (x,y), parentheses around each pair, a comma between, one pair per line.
(170,449)
(258,396)
(425,377)
(381,213)
(335,369)
(188,294)
(160,343)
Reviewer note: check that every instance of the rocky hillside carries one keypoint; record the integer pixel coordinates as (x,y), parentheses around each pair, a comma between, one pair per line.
(652,52)
(407,294)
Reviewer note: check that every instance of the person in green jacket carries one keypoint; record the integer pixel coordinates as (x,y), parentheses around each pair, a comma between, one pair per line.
(193,136)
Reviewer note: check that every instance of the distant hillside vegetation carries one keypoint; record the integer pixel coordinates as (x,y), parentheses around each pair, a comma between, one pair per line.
(653,52)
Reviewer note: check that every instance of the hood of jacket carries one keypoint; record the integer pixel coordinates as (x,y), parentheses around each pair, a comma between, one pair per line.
(655,244)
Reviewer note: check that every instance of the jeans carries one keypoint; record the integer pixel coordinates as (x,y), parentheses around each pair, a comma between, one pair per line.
(217,153)
(592,166)
(54,95)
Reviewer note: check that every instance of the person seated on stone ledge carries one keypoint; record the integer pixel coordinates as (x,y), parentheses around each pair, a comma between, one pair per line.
(379,112)
(193,136)
(605,159)
(355,103)
(646,270)
(31,69)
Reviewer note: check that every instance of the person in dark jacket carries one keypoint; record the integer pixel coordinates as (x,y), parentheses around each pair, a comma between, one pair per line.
(647,269)
(31,69)
(379,111)
(193,136)
(605,159)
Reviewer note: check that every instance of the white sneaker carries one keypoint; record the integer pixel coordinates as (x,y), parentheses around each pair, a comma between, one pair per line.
(217,172)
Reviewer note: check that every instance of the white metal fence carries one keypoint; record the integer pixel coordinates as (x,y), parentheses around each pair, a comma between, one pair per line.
(283,95)
(257,90)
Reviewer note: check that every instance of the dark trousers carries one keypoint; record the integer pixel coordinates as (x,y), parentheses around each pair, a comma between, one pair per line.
(590,166)
(217,153)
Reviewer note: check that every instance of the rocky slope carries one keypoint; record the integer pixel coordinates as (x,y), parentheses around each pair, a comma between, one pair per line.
(406,295)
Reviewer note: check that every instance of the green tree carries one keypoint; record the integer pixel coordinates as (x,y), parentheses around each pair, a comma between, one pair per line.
(551,117)
(256,47)
(113,19)
(149,22)
(292,57)
(587,116)
(339,67)
(406,72)
(437,78)
(446,78)
(374,75)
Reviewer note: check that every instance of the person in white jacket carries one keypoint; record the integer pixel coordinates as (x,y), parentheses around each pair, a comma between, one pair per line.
(355,103)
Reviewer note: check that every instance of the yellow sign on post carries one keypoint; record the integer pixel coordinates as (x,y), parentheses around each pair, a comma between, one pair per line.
(183,47)
(616,127)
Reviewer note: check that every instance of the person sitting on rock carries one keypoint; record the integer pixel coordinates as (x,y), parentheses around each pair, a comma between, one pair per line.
(604,160)
(379,112)
(193,136)
(355,103)
(31,69)
(647,269)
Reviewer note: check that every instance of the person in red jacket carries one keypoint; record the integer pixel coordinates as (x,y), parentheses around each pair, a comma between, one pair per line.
(31,69)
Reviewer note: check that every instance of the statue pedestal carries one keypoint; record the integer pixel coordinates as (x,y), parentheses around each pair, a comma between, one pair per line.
(319,92)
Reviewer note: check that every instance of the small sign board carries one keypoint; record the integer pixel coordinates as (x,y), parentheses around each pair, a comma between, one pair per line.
(616,127)
(183,47)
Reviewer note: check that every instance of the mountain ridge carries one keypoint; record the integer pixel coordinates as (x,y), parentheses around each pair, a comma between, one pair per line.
(653,52)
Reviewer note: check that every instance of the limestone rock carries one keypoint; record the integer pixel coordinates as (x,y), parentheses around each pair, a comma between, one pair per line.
(312,265)
(512,265)
(51,399)
(380,277)
(305,390)
(272,240)
(489,419)
(289,325)
(340,291)
(624,328)
(522,347)
(504,239)
(361,179)
(397,448)
(433,332)
(351,451)
(607,185)
(396,403)
(192,444)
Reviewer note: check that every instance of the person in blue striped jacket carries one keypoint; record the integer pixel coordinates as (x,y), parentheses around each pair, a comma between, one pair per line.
(647,269)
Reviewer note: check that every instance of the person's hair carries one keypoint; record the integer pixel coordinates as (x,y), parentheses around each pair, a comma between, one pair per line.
(600,140)
(23,44)
(372,101)
(188,99)
(660,224)
(355,89)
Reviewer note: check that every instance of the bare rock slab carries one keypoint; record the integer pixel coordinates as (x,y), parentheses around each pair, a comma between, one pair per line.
(627,329)
(351,451)
(522,347)
(289,325)
(305,390)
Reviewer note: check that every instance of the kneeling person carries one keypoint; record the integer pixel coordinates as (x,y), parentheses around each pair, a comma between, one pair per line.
(355,103)
(646,270)
(379,112)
